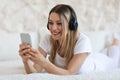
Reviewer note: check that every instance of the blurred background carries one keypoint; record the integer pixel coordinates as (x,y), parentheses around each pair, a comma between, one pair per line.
(31,15)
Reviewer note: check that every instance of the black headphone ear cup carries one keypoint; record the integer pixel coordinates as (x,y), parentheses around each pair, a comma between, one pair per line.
(73,21)
(73,24)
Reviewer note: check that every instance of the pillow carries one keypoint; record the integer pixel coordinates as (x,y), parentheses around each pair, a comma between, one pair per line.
(98,40)
(9,45)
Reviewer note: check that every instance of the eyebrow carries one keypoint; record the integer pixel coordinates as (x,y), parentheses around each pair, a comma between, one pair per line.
(55,21)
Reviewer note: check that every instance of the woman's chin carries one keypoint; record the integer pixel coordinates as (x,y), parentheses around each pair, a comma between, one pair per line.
(55,38)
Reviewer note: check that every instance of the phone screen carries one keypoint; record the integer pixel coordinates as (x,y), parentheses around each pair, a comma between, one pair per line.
(26,38)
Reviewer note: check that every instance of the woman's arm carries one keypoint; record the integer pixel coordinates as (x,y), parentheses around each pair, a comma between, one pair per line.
(37,67)
(72,68)
(29,67)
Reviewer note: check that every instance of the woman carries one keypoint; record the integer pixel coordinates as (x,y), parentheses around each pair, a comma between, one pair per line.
(70,51)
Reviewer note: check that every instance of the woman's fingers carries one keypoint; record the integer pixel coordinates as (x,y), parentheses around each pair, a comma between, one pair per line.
(33,50)
(28,51)
(32,54)
(24,52)
(24,46)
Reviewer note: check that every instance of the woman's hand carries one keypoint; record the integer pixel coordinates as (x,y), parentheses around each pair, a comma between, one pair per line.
(36,56)
(23,51)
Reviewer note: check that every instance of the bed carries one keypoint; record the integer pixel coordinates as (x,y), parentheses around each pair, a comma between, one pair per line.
(11,66)
(14,71)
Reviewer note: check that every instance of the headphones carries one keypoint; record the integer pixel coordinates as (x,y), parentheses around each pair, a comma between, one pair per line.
(73,24)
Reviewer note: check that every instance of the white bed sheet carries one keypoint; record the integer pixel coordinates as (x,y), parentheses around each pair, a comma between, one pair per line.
(110,75)
(13,70)
(11,67)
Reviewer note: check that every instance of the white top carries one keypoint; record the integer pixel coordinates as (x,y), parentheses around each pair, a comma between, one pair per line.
(83,44)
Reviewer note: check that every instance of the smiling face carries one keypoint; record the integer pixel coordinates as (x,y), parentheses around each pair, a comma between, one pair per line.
(55,26)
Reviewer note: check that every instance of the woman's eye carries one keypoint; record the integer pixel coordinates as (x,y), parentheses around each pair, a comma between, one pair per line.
(50,23)
(59,24)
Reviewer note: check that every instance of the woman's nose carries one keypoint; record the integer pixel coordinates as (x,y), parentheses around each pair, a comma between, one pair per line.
(54,27)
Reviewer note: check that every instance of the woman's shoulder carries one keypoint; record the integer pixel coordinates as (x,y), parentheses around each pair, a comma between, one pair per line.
(83,44)
(83,39)
(82,36)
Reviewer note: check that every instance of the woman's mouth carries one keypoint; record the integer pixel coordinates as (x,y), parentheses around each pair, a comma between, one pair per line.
(56,35)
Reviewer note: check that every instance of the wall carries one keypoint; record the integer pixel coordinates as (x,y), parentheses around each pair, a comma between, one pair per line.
(31,15)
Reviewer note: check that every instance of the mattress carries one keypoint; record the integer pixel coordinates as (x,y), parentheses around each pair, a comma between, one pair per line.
(9,67)
(110,75)
(14,70)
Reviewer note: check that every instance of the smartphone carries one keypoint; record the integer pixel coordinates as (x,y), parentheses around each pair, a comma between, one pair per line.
(26,38)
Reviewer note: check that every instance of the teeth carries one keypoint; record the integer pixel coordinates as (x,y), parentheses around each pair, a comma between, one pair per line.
(55,33)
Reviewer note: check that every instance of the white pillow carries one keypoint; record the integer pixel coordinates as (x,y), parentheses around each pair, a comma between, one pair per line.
(9,45)
(98,40)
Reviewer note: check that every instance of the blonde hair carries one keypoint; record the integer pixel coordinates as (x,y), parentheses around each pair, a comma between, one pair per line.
(68,39)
